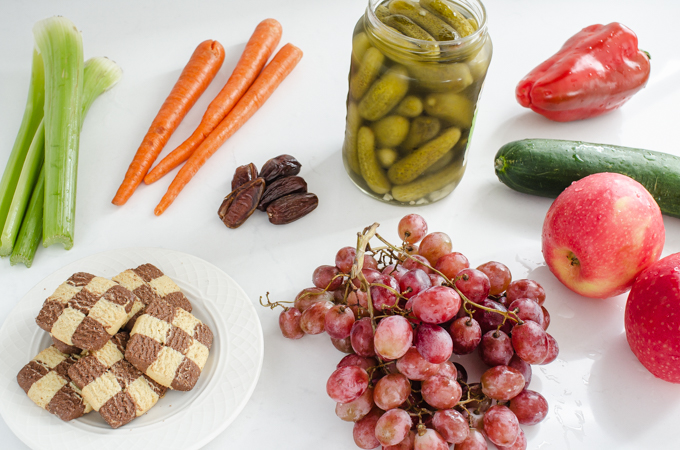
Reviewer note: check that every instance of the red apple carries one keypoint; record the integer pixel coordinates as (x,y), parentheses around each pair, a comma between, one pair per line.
(653,318)
(600,233)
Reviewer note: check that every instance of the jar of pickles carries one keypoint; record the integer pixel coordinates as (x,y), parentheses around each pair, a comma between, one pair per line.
(416,75)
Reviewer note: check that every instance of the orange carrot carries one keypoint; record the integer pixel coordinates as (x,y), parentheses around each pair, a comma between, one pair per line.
(272,75)
(194,79)
(259,48)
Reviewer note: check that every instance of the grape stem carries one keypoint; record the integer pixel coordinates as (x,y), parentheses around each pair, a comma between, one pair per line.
(273,305)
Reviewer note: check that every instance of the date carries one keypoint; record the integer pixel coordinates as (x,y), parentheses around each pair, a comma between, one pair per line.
(243,175)
(281,166)
(291,207)
(281,187)
(241,203)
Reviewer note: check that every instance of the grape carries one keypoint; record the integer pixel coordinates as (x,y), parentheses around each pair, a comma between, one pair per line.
(527,309)
(338,321)
(451,264)
(344,259)
(406,444)
(355,410)
(393,426)
(530,342)
(358,302)
(465,335)
(323,277)
(412,228)
(474,441)
(525,289)
(382,297)
(289,322)
(343,345)
(437,304)
(362,337)
(546,318)
(391,391)
(396,271)
(369,274)
(524,368)
(307,297)
(415,367)
(437,280)
(473,284)
(501,425)
(519,444)
(553,350)
(418,262)
(489,320)
(364,430)
(413,282)
(441,392)
(429,440)
(451,425)
(495,348)
(461,373)
(502,382)
(370,262)
(433,343)
(448,369)
(530,407)
(499,276)
(434,246)
(356,360)
(346,384)
(410,249)
(393,337)
(313,319)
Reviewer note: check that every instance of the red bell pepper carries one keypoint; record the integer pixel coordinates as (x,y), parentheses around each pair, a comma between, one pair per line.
(596,70)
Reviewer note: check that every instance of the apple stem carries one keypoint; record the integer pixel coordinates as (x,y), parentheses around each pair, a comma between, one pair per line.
(574,260)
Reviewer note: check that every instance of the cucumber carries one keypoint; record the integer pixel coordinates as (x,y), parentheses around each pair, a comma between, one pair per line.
(546,167)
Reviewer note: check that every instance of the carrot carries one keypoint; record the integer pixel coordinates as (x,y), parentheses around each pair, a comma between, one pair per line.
(259,48)
(272,75)
(194,79)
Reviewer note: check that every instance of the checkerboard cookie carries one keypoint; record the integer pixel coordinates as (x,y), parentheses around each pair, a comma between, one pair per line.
(169,345)
(85,311)
(65,348)
(45,379)
(112,385)
(148,283)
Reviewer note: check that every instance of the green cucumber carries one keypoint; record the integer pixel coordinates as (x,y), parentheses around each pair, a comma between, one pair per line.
(546,167)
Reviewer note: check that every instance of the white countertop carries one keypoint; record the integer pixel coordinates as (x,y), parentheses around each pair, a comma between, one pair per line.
(598,393)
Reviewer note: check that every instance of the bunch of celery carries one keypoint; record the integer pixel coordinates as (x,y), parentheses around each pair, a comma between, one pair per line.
(38,187)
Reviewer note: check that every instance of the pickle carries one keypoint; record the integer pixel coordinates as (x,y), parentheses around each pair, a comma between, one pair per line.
(390,131)
(411,192)
(351,130)
(407,27)
(381,12)
(360,44)
(441,162)
(452,77)
(449,15)
(453,108)
(480,62)
(370,167)
(387,157)
(384,94)
(367,73)
(411,106)
(435,26)
(422,129)
(412,166)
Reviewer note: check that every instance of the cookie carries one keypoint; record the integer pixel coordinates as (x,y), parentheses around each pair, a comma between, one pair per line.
(112,385)
(65,348)
(46,381)
(148,283)
(169,345)
(85,311)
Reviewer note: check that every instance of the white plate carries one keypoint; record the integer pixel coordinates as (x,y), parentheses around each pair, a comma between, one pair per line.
(180,420)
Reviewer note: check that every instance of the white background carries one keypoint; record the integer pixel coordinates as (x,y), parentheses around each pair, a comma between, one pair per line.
(600,396)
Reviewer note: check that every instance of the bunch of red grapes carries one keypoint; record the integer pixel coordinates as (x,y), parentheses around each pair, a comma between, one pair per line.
(400,313)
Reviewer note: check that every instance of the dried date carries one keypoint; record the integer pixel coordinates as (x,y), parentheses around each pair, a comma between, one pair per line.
(241,203)
(243,175)
(281,166)
(281,187)
(291,207)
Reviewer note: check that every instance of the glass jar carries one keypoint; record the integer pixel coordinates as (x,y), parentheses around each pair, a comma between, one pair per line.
(415,79)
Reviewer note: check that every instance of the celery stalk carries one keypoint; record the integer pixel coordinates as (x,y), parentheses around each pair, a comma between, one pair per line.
(31,227)
(100,75)
(61,46)
(22,194)
(33,114)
